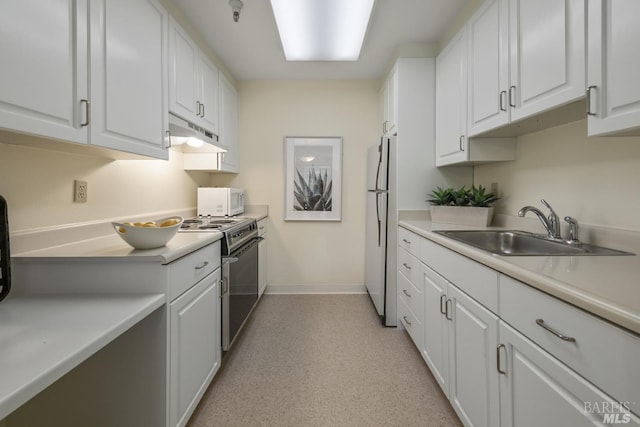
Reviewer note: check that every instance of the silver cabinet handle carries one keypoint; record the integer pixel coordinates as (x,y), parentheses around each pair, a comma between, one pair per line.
(460,142)
(408,267)
(541,323)
(443,310)
(406,320)
(406,293)
(198,108)
(202,114)
(87,111)
(589,113)
(501,98)
(446,309)
(500,371)
(202,265)
(408,242)
(512,96)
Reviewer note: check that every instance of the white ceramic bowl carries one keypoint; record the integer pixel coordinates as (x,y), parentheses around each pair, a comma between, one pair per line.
(147,237)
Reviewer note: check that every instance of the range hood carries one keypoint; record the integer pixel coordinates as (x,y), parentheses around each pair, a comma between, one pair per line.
(184,132)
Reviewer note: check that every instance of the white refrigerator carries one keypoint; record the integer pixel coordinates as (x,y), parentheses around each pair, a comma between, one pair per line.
(381,229)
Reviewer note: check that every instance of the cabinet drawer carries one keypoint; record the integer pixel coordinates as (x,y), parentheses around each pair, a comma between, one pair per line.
(476,280)
(409,241)
(410,322)
(409,266)
(412,296)
(603,353)
(190,269)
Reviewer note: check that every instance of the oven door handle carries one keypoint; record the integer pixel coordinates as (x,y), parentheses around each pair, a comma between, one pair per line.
(229,260)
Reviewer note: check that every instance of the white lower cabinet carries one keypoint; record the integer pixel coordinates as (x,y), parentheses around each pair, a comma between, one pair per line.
(195,345)
(538,390)
(506,354)
(460,336)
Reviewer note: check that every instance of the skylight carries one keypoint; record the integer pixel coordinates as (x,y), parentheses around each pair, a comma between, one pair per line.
(322,30)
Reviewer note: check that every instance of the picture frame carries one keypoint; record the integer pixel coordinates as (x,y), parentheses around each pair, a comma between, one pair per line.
(313,178)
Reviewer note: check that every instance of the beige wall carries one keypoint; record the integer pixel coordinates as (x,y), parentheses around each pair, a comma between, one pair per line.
(596,180)
(309,253)
(38,186)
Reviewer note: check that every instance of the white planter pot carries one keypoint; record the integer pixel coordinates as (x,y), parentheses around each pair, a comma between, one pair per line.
(462,215)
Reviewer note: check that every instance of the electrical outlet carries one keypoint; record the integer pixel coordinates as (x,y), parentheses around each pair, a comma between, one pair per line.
(495,188)
(80,191)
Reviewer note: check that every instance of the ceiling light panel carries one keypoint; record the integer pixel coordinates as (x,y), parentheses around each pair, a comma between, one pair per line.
(322,30)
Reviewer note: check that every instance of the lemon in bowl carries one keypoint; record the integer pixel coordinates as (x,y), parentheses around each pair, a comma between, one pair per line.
(149,234)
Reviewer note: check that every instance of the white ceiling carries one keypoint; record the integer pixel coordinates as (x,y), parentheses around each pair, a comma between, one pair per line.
(251,48)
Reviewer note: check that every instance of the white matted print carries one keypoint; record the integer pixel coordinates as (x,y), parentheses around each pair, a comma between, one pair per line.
(313,178)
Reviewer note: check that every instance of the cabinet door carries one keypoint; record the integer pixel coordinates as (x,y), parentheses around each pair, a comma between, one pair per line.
(435,344)
(547,54)
(538,390)
(196,347)
(488,67)
(451,102)
(473,337)
(209,92)
(44,46)
(183,74)
(614,67)
(228,126)
(129,76)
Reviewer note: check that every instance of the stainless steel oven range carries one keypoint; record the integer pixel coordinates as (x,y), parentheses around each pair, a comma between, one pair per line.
(239,269)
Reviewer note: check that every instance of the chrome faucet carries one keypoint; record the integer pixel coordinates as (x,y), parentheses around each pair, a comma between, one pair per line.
(550,223)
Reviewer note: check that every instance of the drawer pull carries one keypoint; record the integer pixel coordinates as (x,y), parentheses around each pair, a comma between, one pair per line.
(500,371)
(406,293)
(406,320)
(408,242)
(541,323)
(203,265)
(408,267)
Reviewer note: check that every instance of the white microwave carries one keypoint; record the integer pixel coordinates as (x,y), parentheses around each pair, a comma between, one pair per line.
(220,201)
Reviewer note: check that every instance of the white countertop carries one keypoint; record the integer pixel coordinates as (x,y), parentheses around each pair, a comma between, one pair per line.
(607,286)
(44,337)
(112,248)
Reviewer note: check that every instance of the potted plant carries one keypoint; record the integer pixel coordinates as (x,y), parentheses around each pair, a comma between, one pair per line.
(463,206)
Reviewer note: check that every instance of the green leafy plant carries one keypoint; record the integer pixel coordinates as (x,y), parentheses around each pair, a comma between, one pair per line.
(474,196)
(480,198)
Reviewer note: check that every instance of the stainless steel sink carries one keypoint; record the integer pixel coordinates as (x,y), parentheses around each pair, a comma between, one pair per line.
(521,243)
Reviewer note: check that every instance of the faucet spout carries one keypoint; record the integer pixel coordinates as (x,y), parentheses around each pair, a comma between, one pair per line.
(551,224)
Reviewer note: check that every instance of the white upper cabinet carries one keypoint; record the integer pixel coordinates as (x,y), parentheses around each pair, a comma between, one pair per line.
(389,95)
(228,126)
(128,76)
(488,67)
(48,64)
(193,81)
(451,102)
(547,54)
(44,73)
(525,57)
(614,66)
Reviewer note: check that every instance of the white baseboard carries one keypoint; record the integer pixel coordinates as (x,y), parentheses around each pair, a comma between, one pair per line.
(320,288)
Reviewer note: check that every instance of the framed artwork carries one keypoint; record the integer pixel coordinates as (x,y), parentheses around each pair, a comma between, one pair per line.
(313,178)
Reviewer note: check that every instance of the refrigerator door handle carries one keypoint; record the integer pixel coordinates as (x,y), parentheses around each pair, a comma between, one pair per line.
(378,217)
(379,166)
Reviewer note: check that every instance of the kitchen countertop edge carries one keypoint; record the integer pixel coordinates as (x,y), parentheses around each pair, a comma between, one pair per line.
(594,304)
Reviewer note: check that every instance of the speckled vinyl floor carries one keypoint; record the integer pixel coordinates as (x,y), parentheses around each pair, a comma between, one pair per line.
(322,360)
